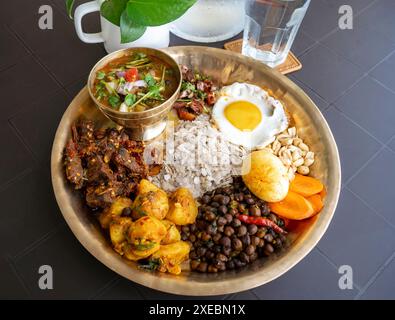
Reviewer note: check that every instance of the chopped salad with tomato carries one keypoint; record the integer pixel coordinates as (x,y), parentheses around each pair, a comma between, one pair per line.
(134,83)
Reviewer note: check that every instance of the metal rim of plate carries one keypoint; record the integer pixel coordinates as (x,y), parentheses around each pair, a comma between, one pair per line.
(225,67)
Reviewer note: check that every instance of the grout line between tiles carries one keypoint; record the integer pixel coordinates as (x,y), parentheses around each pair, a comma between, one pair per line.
(347,182)
(17,275)
(356,15)
(22,140)
(379,271)
(296,80)
(35,57)
(56,229)
(16,179)
(334,105)
(370,207)
(308,49)
(378,63)
(109,285)
(334,265)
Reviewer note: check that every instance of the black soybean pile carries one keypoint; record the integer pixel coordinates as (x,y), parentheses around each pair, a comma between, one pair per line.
(220,241)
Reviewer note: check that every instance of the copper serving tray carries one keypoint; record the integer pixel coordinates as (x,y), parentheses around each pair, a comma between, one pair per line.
(225,67)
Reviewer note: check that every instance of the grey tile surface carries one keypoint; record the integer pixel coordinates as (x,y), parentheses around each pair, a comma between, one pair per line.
(303,42)
(313,277)
(384,286)
(15,157)
(362,45)
(381,17)
(319,101)
(11,12)
(392,144)
(47,44)
(355,238)
(74,88)
(246,295)
(76,273)
(356,147)
(34,214)
(11,286)
(328,73)
(122,289)
(47,113)
(384,72)
(357,5)
(375,185)
(32,87)
(321,18)
(368,104)
(15,52)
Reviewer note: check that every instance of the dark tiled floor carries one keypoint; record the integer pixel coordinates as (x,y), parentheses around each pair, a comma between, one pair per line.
(13,45)
(15,156)
(67,48)
(349,74)
(363,45)
(356,238)
(352,140)
(76,273)
(313,277)
(18,94)
(368,103)
(327,72)
(26,219)
(384,72)
(382,288)
(47,113)
(374,184)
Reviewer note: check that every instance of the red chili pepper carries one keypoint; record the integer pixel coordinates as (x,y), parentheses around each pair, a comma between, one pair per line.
(259,221)
(131,75)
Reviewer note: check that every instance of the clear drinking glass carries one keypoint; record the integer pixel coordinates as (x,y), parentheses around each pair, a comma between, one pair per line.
(271,27)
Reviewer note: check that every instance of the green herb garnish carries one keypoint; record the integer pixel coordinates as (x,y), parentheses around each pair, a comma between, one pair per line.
(149,79)
(144,246)
(114,101)
(100,75)
(188,86)
(130,99)
(151,264)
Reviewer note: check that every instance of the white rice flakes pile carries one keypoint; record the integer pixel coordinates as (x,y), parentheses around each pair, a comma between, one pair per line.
(199,158)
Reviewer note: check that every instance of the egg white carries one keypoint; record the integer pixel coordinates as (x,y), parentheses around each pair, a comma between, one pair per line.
(274,118)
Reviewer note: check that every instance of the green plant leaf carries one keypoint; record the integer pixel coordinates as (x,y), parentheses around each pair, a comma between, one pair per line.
(129,30)
(112,10)
(157,12)
(69,7)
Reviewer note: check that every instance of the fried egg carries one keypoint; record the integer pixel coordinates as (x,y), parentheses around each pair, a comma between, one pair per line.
(248,116)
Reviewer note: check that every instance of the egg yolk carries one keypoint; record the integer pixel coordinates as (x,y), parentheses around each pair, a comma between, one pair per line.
(243,115)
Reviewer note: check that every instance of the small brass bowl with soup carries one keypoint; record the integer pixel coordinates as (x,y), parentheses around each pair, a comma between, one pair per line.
(136,88)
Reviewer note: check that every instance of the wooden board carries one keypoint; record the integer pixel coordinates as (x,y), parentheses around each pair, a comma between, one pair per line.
(292,63)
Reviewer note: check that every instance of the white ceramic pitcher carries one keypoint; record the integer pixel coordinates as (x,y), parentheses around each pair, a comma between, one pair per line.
(110,35)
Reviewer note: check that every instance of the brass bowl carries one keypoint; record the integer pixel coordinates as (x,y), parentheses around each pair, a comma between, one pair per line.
(144,125)
(225,67)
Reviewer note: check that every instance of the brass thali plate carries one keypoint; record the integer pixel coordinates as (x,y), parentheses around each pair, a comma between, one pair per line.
(225,67)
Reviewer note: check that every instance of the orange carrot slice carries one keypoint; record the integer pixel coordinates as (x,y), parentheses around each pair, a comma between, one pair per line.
(294,207)
(316,202)
(306,186)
